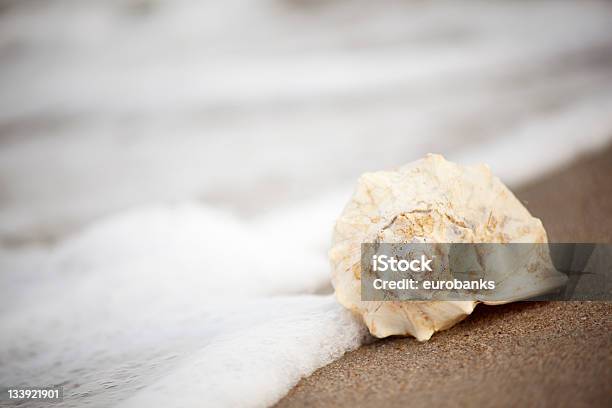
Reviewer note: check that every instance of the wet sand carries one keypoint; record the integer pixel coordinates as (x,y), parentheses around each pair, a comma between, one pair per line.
(523,354)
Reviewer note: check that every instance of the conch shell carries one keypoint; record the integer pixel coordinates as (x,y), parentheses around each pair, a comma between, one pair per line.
(436,201)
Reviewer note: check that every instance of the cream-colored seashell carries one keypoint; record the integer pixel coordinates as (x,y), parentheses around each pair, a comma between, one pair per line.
(432,200)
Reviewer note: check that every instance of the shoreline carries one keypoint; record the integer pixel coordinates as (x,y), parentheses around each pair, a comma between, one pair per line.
(527,353)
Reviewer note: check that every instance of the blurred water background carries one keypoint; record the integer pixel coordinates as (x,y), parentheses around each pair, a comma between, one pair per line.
(253,105)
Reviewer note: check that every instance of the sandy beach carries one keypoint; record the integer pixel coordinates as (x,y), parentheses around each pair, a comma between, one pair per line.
(522,354)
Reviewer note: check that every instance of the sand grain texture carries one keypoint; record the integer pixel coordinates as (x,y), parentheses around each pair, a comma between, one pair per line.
(522,354)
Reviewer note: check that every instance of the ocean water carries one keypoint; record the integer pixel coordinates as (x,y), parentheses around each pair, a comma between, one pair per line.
(251,106)
(171,306)
(171,171)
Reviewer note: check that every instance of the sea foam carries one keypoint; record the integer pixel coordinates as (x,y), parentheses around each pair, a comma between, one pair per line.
(168,306)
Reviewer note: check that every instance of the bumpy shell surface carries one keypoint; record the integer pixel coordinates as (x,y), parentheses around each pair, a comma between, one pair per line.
(430,200)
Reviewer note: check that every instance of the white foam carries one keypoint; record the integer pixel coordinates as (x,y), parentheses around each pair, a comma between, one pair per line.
(182,296)
(256,365)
